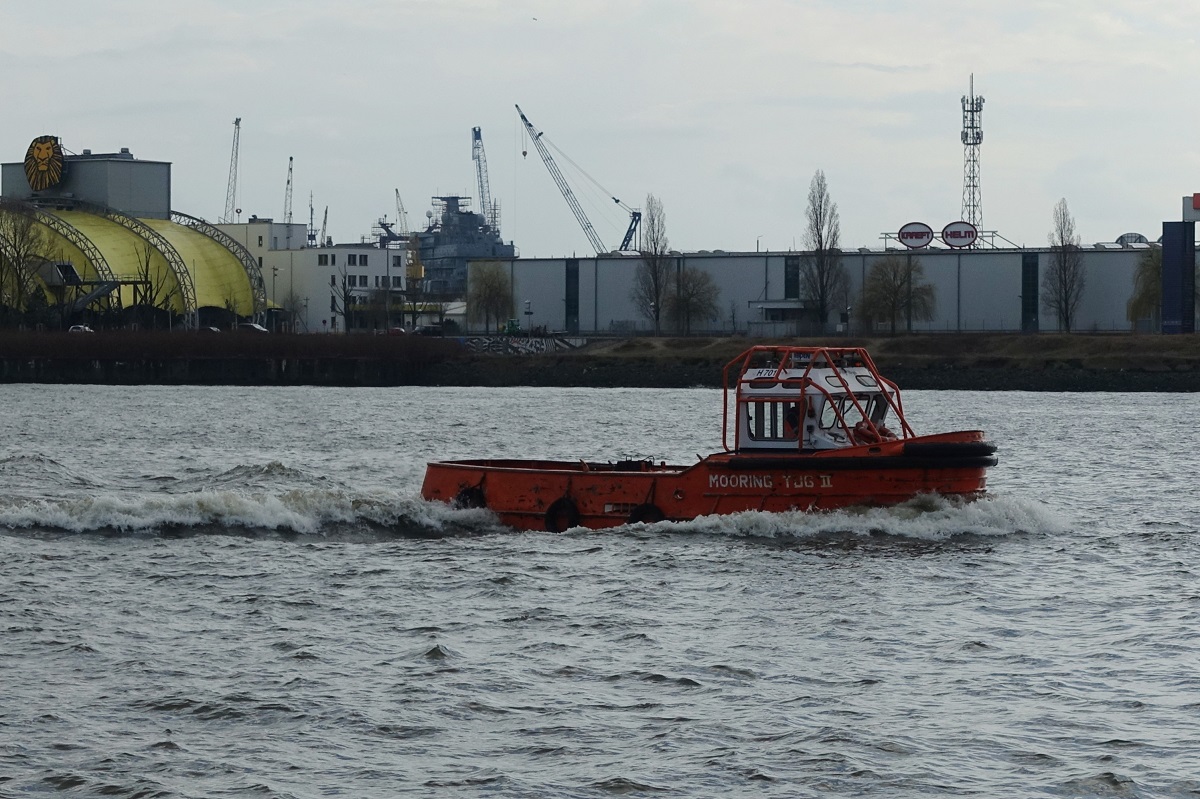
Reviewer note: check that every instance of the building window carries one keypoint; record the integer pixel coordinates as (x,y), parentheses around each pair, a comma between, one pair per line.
(791,277)
(332,304)
(333,259)
(333,280)
(260,262)
(260,241)
(274,242)
(397,261)
(397,282)
(377,281)
(350,280)
(362,260)
(362,280)
(322,260)
(351,260)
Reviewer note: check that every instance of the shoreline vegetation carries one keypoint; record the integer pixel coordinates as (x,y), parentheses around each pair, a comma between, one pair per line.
(971,361)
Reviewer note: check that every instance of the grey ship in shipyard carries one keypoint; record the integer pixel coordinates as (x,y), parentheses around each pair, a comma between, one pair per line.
(454,236)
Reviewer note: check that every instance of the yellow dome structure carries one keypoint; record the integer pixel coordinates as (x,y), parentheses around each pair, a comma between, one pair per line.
(98,233)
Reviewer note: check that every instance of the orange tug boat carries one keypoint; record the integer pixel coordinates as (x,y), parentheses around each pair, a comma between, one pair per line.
(810,428)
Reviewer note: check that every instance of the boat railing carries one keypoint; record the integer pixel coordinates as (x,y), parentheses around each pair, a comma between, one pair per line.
(785,358)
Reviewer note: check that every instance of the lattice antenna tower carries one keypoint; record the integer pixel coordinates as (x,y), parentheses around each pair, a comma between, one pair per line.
(232,190)
(287,205)
(972,137)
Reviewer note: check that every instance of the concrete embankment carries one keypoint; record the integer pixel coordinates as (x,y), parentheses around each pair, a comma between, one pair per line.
(1080,362)
(965,361)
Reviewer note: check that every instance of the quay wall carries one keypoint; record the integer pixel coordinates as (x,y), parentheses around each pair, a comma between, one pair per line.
(1125,362)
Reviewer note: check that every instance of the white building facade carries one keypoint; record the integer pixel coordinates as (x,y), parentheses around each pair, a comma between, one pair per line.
(312,289)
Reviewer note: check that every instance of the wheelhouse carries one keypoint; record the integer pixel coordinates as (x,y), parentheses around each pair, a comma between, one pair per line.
(809,398)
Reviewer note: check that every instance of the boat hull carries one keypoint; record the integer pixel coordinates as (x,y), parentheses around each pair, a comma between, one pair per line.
(558,495)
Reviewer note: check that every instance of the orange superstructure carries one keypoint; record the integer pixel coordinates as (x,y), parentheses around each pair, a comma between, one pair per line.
(805,428)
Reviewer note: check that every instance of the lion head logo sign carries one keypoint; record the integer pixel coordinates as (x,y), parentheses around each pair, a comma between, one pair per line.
(44,163)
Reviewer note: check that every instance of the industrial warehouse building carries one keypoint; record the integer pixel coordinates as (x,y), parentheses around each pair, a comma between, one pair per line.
(760,293)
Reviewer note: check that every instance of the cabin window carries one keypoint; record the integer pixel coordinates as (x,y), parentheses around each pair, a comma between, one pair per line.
(774,421)
(829,418)
(879,408)
(851,412)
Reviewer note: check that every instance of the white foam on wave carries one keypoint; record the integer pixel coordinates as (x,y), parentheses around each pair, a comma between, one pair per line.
(929,518)
(308,512)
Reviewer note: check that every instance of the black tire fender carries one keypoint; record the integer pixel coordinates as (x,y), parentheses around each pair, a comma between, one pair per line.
(470,497)
(562,514)
(647,513)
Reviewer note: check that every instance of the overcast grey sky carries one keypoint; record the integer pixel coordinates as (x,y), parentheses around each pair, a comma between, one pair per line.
(723,110)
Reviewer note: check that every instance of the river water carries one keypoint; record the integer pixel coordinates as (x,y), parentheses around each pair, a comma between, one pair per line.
(211,592)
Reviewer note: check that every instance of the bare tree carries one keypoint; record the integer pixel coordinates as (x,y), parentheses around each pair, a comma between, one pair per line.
(414,300)
(490,295)
(375,312)
(652,280)
(822,276)
(23,249)
(1063,283)
(293,308)
(1146,302)
(342,301)
(156,289)
(896,289)
(694,298)
(231,314)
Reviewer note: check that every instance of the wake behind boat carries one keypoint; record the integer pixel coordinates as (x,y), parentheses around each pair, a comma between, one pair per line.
(804,428)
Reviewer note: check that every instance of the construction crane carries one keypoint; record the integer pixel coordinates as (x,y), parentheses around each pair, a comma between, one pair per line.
(231,190)
(312,230)
(414,271)
(323,242)
(287,206)
(491,211)
(635,216)
(401,215)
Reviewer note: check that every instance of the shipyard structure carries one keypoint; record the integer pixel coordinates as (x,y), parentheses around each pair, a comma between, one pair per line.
(93,238)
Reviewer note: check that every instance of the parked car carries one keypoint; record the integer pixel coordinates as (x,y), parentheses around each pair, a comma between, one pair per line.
(80,329)
(251,327)
(447,327)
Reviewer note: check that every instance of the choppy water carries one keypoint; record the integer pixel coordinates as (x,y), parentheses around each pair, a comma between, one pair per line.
(211,592)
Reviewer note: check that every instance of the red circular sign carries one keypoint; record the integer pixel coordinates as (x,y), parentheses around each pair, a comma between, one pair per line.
(915,235)
(960,234)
